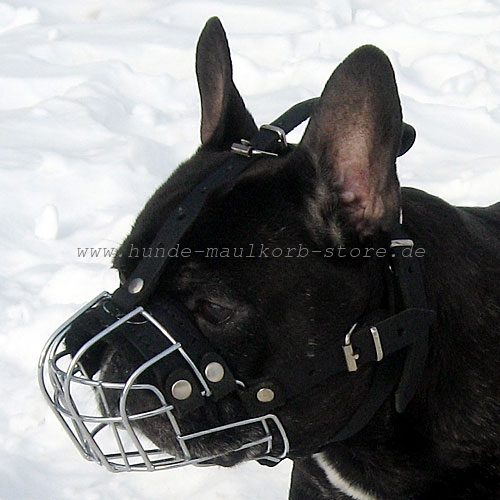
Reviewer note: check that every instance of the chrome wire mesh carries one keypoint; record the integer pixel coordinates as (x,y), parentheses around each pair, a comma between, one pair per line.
(107,435)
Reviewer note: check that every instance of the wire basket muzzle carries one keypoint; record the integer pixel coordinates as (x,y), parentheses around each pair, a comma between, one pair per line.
(111,377)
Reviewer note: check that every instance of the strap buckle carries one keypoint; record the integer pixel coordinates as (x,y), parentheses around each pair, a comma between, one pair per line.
(279,132)
(247,149)
(407,243)
(352,357)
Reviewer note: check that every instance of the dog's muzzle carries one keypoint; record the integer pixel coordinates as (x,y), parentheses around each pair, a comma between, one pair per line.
(171,374)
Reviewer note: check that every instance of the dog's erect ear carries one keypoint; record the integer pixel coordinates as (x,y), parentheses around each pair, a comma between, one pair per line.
(354,137)
(224,118)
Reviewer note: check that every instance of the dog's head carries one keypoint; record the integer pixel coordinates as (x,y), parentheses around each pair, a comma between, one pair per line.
(258,276)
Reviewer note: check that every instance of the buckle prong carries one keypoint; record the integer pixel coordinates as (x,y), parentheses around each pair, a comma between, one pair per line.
(245,148)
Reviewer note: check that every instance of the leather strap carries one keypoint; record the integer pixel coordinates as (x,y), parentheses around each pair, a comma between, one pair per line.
(402,374)
(396,345)
(411,291)
(385,379)
(270,140)
(396,333)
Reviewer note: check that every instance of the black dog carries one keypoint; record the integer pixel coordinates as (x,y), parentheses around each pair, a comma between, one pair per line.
(337,195)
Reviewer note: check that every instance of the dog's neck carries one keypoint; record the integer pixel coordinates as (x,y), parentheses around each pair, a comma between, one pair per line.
(458,285)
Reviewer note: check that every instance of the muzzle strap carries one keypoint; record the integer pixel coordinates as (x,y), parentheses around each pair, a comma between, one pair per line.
(270,140)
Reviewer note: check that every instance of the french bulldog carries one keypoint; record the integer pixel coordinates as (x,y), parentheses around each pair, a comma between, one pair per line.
(269,307)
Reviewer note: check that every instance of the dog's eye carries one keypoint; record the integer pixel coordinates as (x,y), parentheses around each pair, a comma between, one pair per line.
(214,313)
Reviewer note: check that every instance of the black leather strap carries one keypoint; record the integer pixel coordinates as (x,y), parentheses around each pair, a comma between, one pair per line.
(143,280)
(385,379)
(400,373)
(134,292)
(295,115)
(398,351)
(410,288)
(396,334)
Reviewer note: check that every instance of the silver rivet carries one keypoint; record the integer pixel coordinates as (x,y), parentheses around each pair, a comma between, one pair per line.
(265,395)
(182,389)
(136,285)
(214,372)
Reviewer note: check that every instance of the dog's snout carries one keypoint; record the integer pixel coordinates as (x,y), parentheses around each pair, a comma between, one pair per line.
(80,332)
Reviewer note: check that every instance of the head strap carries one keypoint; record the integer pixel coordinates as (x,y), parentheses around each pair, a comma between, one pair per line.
(269,141)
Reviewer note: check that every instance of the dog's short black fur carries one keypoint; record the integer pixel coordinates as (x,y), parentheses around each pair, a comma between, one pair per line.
(339,187)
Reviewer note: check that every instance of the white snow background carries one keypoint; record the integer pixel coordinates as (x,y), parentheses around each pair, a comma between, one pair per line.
(98,103)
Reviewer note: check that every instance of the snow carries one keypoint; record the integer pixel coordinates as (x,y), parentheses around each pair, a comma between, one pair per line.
(98,104)
(47,223)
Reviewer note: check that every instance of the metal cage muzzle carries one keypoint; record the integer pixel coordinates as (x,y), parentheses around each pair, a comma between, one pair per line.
(171,374)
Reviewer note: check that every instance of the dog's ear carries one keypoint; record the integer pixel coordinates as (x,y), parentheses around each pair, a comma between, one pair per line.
(354,137)
(224,118)
(407,139)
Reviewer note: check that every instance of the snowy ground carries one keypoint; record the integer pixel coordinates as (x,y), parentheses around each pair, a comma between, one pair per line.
(98,103)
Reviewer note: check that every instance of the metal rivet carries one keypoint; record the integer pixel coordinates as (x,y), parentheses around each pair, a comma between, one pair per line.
(214,372)
(265,395)
(182,389)
(181,212)
(136,285)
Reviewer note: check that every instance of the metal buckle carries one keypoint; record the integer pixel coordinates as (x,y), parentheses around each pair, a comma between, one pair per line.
(280,132)
(351,357)
(242,148)
(245,147)
(402,243)
(377,343)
